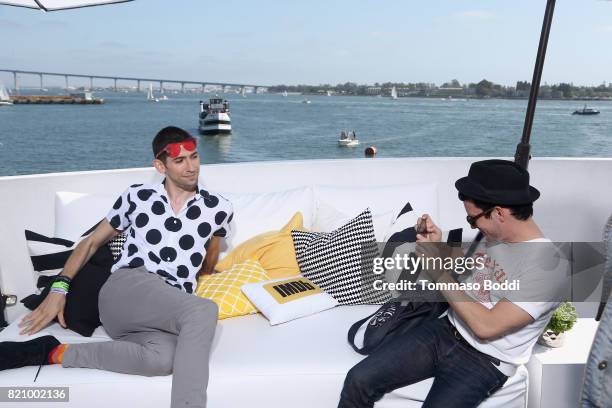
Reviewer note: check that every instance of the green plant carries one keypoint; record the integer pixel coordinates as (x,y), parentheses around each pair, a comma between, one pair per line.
(563,318)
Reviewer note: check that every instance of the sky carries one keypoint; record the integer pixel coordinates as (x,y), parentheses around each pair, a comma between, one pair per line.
(269,42)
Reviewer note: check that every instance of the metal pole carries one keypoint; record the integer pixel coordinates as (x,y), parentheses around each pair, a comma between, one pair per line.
(523,149)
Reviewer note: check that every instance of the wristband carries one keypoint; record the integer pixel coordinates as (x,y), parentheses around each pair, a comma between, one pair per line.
(62,278)
(60,285)
(60,291)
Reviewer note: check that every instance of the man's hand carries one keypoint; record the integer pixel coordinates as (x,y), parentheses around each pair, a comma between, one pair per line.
(212,256)
(430,232)
(51,307)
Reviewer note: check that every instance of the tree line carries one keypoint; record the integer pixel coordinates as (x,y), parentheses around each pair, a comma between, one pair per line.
(482,89)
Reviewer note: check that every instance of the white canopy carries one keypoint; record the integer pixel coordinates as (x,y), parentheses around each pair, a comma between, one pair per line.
(52,5)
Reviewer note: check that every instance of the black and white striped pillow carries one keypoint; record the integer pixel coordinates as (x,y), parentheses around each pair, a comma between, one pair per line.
(341,262)
(49,255)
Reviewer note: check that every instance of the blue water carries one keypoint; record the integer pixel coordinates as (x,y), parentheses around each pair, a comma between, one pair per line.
(118,134)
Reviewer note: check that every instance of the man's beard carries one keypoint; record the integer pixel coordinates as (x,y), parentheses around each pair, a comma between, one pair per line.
(185,186)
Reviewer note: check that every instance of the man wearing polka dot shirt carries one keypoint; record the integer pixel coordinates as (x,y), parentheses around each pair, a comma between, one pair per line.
(147,306)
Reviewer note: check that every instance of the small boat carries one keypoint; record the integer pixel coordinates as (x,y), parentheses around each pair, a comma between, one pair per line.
(393,93)
(215,117)
(586,111)
(4,96)
(329,93)
(162,96)
(451,99)
(285,94)
(243,92)
(348,139)
(150,96)
(306,101)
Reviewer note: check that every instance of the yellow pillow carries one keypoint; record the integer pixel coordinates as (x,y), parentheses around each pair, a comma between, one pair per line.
(224,288)
(274,251)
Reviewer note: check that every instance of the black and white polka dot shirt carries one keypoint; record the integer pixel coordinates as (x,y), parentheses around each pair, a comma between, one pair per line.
(171,245)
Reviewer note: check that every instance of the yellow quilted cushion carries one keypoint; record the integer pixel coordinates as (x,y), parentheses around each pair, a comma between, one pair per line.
(224,288)
(273,250)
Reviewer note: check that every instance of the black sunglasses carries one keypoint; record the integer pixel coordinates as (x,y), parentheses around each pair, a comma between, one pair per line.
(472,219)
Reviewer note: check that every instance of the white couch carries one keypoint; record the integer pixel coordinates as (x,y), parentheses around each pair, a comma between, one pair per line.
(301,363)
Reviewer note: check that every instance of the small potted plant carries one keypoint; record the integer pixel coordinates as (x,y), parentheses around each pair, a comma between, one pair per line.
(562,320)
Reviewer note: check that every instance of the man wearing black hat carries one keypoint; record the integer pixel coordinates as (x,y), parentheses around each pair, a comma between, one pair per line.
(489,331)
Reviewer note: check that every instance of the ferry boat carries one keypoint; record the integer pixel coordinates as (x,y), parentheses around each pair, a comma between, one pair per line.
(215,117)
(586,111)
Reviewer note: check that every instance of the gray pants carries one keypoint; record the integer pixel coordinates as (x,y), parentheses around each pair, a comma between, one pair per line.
(156,330)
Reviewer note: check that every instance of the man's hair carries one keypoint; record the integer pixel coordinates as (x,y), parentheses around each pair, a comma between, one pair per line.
(167,135)
(520,212)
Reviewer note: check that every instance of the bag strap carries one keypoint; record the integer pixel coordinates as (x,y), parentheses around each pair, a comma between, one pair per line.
(353,332)
(380,332)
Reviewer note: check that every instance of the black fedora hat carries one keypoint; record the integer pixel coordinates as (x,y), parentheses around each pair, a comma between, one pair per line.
(500,182)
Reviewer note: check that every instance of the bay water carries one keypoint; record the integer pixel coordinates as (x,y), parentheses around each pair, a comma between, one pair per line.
(55,138)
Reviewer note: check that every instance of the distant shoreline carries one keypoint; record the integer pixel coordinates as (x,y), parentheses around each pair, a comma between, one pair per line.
(604,99)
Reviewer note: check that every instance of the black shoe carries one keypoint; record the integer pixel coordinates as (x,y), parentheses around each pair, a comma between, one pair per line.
(15,354)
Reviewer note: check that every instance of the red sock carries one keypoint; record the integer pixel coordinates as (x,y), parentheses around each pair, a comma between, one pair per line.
(57,354)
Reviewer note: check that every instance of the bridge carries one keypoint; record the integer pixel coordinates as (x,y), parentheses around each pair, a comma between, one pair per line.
(138,81)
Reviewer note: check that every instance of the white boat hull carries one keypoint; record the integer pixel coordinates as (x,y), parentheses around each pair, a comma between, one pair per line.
(348,142)
(215,124)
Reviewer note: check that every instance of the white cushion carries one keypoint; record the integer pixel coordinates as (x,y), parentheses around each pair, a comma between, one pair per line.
(328,218)
(268,365)
(380,199)
(75,213)
(258,213)
(283,306)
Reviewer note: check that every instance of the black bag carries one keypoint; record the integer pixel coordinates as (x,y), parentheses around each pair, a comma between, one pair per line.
(3,322)
(391,316)
(400,312)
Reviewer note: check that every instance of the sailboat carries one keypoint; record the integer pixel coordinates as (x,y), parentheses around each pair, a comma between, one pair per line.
(150,96)
(285,94)
(393,93)
(4,96)
(243,92)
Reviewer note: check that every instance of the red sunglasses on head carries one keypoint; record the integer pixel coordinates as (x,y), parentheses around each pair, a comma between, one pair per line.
(174,149)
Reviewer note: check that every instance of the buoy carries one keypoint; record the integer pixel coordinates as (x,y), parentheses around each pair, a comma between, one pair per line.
(370,151)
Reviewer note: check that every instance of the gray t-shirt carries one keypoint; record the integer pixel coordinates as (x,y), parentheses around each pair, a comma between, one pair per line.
(540,273)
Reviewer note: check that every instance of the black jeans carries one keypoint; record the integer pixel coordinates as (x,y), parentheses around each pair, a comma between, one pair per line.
(463,377)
